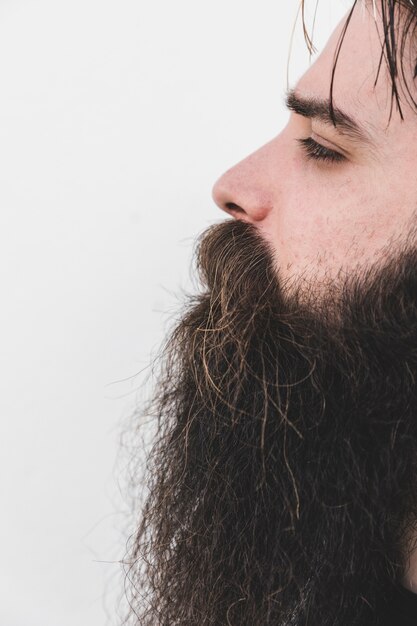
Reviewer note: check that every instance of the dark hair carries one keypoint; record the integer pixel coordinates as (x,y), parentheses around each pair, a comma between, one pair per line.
(399,22)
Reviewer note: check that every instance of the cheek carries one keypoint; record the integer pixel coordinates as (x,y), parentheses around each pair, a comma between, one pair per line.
(314,224)
(313,235)
(330,226)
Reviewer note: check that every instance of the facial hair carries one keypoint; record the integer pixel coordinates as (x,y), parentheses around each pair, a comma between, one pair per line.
(282,475)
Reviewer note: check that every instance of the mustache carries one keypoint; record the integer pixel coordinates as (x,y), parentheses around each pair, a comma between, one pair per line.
(226,334)
(234,259)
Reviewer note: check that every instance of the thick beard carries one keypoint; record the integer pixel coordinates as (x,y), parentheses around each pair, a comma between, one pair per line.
(281,479)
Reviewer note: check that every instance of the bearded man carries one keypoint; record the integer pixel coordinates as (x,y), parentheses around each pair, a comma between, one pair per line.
(283,477)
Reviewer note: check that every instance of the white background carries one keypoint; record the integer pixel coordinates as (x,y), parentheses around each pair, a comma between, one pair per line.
(116,118)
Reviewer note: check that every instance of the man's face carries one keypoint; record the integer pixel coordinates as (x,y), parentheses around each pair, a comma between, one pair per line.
(284,471)
(323,217)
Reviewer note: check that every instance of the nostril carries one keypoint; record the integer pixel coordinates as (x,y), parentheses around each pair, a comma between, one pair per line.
(234,208)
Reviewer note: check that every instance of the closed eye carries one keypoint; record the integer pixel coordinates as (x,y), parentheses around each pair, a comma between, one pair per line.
(316,151)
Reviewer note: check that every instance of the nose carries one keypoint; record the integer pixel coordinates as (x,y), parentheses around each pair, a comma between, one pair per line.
(243,191)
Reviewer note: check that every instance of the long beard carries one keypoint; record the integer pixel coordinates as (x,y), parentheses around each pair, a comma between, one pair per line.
(282,474)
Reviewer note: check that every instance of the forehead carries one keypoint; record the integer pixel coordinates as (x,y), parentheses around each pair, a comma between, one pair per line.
(361,82)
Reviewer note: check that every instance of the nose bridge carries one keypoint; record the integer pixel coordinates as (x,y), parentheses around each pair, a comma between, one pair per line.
(244,191)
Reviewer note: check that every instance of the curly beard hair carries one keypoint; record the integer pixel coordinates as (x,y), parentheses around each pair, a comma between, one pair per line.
(282,476)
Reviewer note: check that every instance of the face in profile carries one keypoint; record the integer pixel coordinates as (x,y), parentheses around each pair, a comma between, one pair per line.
(282,476)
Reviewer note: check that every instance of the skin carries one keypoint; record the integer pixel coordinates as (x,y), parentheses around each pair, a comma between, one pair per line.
(326,220)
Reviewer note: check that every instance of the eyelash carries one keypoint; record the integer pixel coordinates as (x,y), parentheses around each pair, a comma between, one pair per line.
(318,152)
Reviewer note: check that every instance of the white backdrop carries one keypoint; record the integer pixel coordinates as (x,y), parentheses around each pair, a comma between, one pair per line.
(116,118)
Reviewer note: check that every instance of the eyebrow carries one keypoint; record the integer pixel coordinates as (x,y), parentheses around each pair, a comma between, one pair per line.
(319,108)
